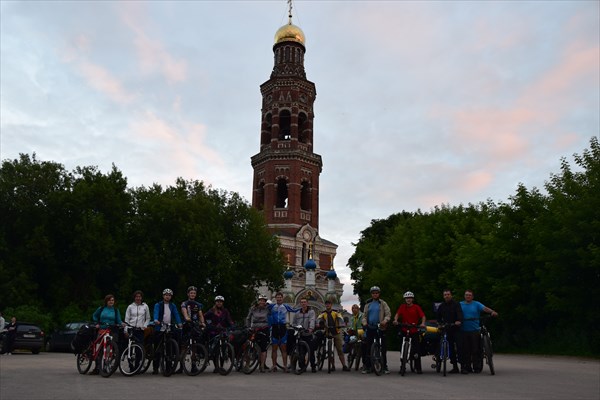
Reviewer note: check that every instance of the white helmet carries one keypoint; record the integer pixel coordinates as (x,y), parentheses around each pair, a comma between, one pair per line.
(375,289)
(409,294)
(219,298)
(262,297)
(168,291)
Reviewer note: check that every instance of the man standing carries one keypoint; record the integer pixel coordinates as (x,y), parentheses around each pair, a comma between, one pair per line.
(306,318)
(376,312)
(278,318)
(450,312)
(471,354)
(332,320)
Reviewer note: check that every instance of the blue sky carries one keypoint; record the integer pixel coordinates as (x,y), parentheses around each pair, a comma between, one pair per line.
(419,103)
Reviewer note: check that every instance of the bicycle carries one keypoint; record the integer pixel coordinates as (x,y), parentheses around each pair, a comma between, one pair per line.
(325,351)
(221,352)
(251,353)
(375,355)
(443,350)
(103,349)
(355,344)
(133,355)
(194,354)
(486,349)
(300,355)
(406,347)
(168,351)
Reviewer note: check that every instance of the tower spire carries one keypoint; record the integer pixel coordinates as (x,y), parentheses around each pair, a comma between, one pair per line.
(290,12)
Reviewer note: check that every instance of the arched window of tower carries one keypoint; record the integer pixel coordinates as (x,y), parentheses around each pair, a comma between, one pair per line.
(282,193)
(305,202)
(285,125)
(303,127)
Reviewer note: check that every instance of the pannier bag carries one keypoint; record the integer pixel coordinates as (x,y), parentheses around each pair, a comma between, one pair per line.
(83,338)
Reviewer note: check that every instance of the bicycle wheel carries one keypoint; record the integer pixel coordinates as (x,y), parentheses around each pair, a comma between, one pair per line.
(351,357)
(194,359)
(376,364)
(330,360)
(132,359)
(109,359)
(404,357)
(84,361)
(250,358)
(300,357)
(225,358)
(445,356)
(169,357)
(488,353)
(320,356)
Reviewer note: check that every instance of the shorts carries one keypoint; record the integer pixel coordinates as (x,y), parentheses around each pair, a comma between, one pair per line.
(278,334)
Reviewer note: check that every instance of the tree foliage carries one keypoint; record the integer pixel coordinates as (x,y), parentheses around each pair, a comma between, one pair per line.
(535,259)
(69,238)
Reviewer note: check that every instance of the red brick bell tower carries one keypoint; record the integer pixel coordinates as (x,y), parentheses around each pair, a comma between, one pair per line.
(286,169)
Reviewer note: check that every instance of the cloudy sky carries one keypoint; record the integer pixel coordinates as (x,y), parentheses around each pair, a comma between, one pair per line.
(419,103)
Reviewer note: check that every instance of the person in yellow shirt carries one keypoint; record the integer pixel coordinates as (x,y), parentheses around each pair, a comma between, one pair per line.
(332,321)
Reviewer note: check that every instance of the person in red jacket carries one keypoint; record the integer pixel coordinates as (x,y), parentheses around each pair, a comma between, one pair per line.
(411,313)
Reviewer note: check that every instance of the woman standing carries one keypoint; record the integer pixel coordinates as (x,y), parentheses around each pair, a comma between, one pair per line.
(106,316)
(258,319)
(138,315)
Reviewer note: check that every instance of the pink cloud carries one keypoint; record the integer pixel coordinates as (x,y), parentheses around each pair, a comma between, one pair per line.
(102,80)
(151,52)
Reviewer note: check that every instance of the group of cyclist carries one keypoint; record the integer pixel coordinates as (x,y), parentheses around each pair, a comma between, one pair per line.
(270,322)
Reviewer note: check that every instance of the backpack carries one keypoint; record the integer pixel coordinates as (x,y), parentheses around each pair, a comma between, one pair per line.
(83,338)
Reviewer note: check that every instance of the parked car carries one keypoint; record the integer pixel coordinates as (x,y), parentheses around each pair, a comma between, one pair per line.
(61,340)
(29,337)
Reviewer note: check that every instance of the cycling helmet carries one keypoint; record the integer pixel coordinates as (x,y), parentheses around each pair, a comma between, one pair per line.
(375,289)
(194,288)
(262,297)
(168,291)
(409,294)
(219,298)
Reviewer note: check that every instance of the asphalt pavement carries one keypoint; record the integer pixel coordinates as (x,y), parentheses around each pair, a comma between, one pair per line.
(24,376)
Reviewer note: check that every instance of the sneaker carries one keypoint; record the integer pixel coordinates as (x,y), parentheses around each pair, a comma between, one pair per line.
(345,368)
(454,371)
(386,371)
(366,371)
(313,369)
(94,372)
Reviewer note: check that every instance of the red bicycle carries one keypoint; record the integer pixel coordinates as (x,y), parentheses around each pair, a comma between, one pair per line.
(103,350)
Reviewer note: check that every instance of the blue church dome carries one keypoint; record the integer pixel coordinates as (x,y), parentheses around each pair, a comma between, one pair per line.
(331,274)
(310,264)
(289,274)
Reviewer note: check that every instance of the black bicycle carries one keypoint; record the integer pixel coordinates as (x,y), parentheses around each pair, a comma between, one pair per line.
(168,351)
(376,352)
(194,354)
(486,346)
(221,352)
(355,344)
(300,355)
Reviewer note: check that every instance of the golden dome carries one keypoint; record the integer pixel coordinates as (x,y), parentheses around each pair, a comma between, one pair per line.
(289,33)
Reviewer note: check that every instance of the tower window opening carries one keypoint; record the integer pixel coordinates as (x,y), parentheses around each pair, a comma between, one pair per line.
(285,125)
(282,193)
(305,196)
(303,128)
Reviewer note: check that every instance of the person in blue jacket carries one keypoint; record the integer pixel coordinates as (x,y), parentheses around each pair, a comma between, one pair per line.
(278,318)
(165,313)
